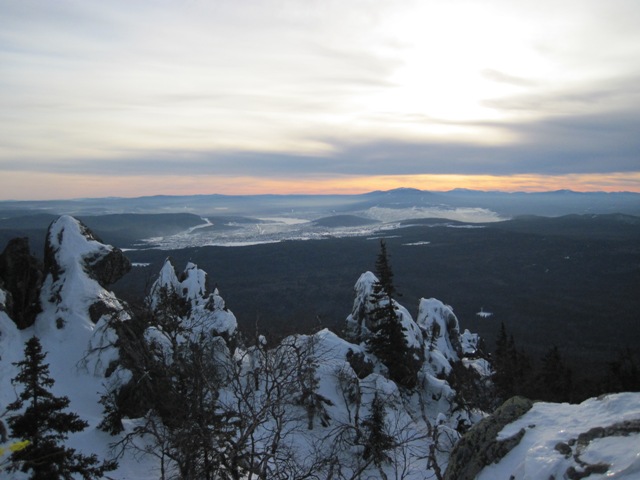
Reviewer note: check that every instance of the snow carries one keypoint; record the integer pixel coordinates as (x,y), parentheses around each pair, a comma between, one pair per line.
(362,307)
(83,381)
(625,462)
(436,317)
(467,226)
(412,333)
(469,342)
(472,215)
(259,231)
(284,220)
(68,297)
(548,424)
(11,347)
(483,314)
(243,244)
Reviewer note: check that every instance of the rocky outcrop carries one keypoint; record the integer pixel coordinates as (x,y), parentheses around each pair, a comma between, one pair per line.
(103,263)
(480,447)
(21,278)
(440,327)
(73,251)
(186,296)
(360,322)
(77,308)
(108,269)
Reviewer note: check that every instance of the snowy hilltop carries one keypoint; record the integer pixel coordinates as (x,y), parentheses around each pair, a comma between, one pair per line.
(172,388)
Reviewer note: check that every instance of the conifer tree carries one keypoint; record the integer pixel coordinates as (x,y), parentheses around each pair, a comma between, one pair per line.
(313,402)
(503,364)
(512,368)
(388,341)
(623,373)
(378,442)
(46,426)
(554,381)
(384,272)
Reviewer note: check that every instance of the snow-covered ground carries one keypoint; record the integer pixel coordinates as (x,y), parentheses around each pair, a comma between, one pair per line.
(560,437)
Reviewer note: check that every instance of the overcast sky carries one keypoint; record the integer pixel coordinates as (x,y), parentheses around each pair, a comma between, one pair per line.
(130,98)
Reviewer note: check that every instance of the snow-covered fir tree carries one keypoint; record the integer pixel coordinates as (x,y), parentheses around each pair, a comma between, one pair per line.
(40,418)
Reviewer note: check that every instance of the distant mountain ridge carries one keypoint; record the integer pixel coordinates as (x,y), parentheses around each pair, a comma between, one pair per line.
(550,203)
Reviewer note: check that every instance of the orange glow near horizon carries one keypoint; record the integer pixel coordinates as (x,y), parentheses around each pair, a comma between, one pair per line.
(52,186)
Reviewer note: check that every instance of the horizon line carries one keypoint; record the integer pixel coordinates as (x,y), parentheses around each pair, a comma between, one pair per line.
(367,192)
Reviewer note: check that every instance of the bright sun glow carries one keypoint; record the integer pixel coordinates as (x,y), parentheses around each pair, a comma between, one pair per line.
(451,65)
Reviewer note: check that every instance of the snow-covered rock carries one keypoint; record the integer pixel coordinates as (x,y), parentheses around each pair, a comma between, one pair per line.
(596,439)
(436,340)
(435,333)
(77,310)
(600,435)
(356,327)
(203,312)
(78,269)
(481,446)
(358,324)
(440,327)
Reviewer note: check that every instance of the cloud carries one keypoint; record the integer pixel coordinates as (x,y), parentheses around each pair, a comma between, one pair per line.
(502,77)
(618,92)
(309,89)
(557,146)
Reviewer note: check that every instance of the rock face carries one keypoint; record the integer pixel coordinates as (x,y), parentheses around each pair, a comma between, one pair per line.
(21,278)
(479,447)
